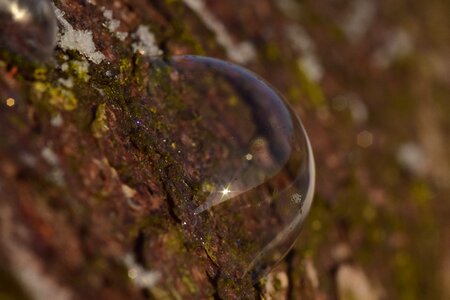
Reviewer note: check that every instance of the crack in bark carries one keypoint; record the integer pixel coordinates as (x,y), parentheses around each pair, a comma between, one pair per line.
(170,200)
(290,273)
(138,252)
(214,280)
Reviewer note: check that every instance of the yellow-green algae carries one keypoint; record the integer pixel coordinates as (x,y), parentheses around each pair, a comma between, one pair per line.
(57,97)
(99,125)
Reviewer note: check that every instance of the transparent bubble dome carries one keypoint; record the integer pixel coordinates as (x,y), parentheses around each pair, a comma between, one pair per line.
(28,28)
(253,165)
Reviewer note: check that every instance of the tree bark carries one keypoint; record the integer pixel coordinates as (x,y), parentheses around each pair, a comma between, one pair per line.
(91,202)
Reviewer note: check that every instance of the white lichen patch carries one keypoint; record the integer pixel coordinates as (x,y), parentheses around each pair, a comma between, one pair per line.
(300,39)
(397,45)
(79,40)
(352,283)
(242,53)
(50,156)
(359,19)
(412,157)
(341,252)
(81,67)
(64,67)
(121,35)
(308,60)
(359,110)
(357,107)
(113,24)
(276,285)
(66,82)
(28,159)
(146,42)
(128,191)
(138,275)
(311,272)
(57,121)
(56,174)
(311,66)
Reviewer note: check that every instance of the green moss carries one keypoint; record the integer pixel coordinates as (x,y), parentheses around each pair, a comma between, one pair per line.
(406,276)
(233,101)
(186,279)
(208,246)
(422,195)
(40,74)
(99,125)
(186,37)
(311,89)
(319,222)
(160,293)
(125,68)
(277,284)
(18,60)
(272,52)
(174,241)
(348,295)
(227,286)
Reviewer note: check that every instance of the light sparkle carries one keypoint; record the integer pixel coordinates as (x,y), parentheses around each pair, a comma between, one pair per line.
(10,102)
(226,191)
(19,13)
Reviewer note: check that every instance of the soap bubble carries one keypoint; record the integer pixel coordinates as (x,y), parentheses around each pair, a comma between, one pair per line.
(28,28)
(251,161)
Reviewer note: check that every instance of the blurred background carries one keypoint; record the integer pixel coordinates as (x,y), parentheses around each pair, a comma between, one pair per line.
(375,79)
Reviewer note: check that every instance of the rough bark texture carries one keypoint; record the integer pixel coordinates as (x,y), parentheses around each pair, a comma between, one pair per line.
(82,187)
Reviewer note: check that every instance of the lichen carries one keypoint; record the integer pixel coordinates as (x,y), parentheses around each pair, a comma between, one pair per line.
(311,89)
(243,52)
(79,40)
(40,73)
(99,126)
(208,248)
(57,97)
(146,42)
(186,278)
(113,24)
(80,68)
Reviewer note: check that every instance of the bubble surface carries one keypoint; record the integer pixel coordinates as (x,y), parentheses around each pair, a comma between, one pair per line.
(28,28)
(250,159)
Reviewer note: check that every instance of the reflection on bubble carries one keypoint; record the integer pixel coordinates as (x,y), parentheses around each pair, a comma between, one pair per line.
(28,28)
(253,162)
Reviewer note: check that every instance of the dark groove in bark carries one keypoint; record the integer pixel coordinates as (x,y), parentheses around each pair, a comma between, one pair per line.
(290,272)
